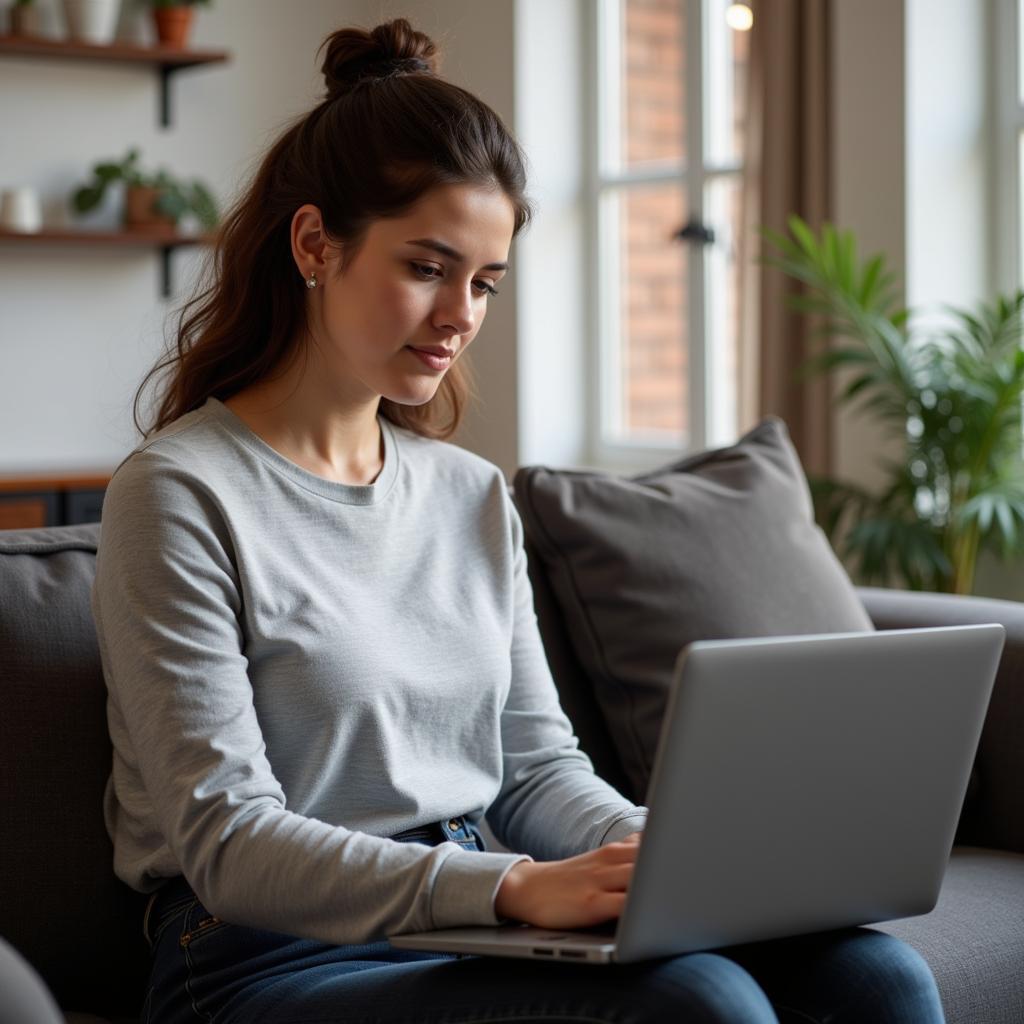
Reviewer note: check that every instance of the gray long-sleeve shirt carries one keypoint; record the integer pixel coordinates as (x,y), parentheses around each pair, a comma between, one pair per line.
(298,669)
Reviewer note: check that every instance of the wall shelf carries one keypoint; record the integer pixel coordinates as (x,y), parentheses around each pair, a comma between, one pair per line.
(165,241)
(165,60)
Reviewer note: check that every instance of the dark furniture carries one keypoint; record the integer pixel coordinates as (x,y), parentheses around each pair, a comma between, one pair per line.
(59,899)
(51,500)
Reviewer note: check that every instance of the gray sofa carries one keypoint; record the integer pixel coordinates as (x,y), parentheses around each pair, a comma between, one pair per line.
(63,909)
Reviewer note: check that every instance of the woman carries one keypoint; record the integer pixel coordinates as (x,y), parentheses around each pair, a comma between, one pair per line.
(317,629)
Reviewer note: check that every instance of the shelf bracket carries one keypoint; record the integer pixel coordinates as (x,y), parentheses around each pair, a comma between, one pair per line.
(165,95)
(165,270)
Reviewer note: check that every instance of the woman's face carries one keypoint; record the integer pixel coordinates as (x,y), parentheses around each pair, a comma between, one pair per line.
(412,298)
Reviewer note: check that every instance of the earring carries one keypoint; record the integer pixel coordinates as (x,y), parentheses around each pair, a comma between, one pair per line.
(311,280)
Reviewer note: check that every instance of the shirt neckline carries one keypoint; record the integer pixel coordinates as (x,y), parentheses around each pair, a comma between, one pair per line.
(348,494)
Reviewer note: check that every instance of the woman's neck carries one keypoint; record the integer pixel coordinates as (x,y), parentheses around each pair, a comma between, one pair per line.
(295,416)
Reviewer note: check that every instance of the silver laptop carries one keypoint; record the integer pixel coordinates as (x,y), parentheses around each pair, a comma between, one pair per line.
(800,784)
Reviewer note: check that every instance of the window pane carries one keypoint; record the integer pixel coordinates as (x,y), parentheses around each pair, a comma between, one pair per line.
(653,107)
(652,379)
(722,200)
(725,85)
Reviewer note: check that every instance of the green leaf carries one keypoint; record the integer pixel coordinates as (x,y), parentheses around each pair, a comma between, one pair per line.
(171,203)
(107,172)
(802,233)
(855,388)
(87,198)
(1005,516)
(870,280)
(204,205)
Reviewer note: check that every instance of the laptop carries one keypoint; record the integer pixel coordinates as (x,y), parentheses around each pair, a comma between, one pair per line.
(800,784)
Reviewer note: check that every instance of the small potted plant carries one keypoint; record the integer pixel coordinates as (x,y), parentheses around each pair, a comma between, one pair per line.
(173,20)
(157,200)
(92,21)
(23,18)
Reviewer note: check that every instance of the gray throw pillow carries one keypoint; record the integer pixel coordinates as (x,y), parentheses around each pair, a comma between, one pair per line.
(718,544)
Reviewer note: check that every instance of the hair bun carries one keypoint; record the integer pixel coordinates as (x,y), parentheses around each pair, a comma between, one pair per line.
(393,48)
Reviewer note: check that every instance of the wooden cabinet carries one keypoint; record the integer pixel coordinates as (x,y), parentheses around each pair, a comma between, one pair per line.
(30,501)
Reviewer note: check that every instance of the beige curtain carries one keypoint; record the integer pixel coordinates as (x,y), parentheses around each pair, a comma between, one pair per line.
(788,155)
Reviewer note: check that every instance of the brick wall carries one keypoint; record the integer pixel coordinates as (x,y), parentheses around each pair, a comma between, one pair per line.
(654,356)
(653,265)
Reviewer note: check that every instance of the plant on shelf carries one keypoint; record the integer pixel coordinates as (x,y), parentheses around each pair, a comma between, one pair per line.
(173,20)
(92,21)
(22,15)
(151,200)
(950,392)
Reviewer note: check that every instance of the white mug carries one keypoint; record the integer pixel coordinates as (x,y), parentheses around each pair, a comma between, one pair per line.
(20,210)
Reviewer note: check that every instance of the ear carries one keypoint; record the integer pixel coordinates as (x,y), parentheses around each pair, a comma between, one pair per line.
(311,248)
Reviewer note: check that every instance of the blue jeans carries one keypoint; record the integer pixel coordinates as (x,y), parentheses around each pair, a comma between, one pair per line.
(204,969)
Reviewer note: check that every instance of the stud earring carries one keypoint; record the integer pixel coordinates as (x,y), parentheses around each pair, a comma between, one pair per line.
(311,280)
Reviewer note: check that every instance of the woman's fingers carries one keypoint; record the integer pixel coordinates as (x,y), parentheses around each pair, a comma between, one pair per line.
(574,893)
(605,907)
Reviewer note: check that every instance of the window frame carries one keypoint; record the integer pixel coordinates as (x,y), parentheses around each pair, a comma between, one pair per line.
(1009,116)
(603,385)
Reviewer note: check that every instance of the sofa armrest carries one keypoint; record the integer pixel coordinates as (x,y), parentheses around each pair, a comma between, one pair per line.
(993,812)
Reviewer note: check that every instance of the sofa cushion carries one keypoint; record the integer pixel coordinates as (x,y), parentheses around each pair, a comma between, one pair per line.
(63,902)
(718,544)
(574,691)
(974,940)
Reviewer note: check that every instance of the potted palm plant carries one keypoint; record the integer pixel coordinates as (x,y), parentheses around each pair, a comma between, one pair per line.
(152,200)
(173,20)
(951,394)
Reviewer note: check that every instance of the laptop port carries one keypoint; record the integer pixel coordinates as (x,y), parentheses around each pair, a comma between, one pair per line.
(543,952)
(576,954)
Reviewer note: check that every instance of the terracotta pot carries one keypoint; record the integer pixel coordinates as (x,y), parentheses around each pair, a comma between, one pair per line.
(173,25)
(24,21)
(139,211)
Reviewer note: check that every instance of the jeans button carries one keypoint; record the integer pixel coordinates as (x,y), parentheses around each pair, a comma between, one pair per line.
(454,825)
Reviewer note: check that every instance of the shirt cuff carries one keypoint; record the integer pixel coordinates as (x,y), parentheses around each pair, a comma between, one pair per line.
(467,885)
(633,821)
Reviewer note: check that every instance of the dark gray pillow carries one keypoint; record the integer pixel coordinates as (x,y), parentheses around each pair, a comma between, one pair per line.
(718,544)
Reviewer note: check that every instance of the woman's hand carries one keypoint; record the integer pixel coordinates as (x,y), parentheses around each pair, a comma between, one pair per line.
(574,893)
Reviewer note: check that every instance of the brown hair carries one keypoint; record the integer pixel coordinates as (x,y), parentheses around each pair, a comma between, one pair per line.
(388,130)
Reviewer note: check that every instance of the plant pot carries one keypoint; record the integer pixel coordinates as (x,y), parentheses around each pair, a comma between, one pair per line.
(139,211)
(92,21)
(173,26)
(24,21)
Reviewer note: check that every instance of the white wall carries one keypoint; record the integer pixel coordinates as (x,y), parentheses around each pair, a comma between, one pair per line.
(78,327)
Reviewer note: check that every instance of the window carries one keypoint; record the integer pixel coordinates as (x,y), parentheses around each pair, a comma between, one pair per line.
(668,82)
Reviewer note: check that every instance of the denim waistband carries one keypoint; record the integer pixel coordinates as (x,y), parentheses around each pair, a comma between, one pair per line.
(176,893)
